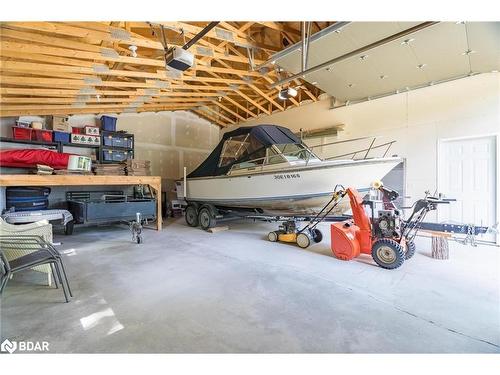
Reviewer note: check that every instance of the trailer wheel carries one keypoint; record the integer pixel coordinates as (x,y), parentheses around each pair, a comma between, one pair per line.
(388,253)
(317,235)
(272,236)
(191,216)
(206,218)
(410,249)
(303,240)
(68,228)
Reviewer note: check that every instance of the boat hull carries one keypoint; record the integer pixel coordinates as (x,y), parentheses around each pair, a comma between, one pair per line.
(290,190)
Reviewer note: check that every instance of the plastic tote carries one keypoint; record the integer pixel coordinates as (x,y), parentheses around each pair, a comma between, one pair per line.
(108,123)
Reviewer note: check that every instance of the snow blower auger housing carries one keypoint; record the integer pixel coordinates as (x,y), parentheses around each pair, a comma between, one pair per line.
(387,238)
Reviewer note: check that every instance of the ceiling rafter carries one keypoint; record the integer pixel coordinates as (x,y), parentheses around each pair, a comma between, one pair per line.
(87,67)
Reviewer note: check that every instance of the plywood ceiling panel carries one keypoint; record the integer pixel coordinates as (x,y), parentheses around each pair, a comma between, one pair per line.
(433,54)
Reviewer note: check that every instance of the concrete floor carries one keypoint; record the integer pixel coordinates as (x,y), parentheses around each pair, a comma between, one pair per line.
(185,290)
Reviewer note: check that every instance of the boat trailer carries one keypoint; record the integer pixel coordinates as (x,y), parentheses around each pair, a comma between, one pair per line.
(385,234)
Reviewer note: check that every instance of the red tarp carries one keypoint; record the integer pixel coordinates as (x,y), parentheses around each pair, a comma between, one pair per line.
(29,158)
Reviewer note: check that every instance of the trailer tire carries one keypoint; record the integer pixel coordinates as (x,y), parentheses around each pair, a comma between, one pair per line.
(191,216)
(388,253)
(68,228)
(206,219)
(410,250)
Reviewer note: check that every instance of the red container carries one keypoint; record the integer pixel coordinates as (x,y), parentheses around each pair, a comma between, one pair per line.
(21,133)
(75,130)
(42,135)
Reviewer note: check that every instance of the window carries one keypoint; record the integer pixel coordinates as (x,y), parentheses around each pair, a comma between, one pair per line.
(243,148)
(274,157)
(295,152)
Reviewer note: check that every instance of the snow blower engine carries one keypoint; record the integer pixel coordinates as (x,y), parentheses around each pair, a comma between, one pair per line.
(387,237)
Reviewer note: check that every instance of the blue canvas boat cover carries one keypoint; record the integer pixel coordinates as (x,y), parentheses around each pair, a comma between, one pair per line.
(259,138)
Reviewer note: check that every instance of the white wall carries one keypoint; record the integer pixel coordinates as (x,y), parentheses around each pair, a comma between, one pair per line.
(415,119)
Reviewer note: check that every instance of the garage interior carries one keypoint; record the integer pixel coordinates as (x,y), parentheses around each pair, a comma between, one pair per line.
(424,93)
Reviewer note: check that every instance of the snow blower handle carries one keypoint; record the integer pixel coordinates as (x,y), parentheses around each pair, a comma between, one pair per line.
(389,195)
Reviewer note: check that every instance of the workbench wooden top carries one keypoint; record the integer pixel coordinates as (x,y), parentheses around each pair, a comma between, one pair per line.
(66,180)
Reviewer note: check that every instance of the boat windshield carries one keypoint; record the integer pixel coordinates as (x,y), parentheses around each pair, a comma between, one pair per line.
(293,152)
(239,147)
(277,154)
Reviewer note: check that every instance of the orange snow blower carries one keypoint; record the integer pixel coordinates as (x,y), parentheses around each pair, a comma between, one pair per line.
(383,237)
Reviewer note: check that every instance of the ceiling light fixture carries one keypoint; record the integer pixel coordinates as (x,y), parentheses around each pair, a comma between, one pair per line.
(468,52)
(287,93)
(314,83)
(421,66)
(350,85)
(406,42)
(383,76)
(133,50)
(460,22)
(363,57)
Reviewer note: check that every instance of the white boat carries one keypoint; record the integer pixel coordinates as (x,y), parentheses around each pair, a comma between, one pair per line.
(266,168)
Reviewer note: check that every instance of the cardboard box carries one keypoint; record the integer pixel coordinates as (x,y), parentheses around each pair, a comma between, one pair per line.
(85,139)
(60,123)
(91,130)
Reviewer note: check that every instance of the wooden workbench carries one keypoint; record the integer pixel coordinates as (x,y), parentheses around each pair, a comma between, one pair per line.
(75,180)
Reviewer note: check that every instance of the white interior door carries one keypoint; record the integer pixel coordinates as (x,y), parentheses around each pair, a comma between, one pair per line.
(467,172)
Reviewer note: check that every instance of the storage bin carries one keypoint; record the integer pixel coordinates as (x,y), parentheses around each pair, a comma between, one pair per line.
(119,142)
(116,155)
(108,123)
(61,136)
(107,140)
(27,198)
(21,133)
(41,135)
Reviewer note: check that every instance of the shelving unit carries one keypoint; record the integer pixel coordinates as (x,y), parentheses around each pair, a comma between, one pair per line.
(103,148)
(59,146)
(28,142)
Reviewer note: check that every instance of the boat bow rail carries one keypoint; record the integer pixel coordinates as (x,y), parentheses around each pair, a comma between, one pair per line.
(363,152)
(306,154)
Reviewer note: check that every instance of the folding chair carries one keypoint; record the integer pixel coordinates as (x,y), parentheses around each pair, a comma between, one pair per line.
(38,252)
